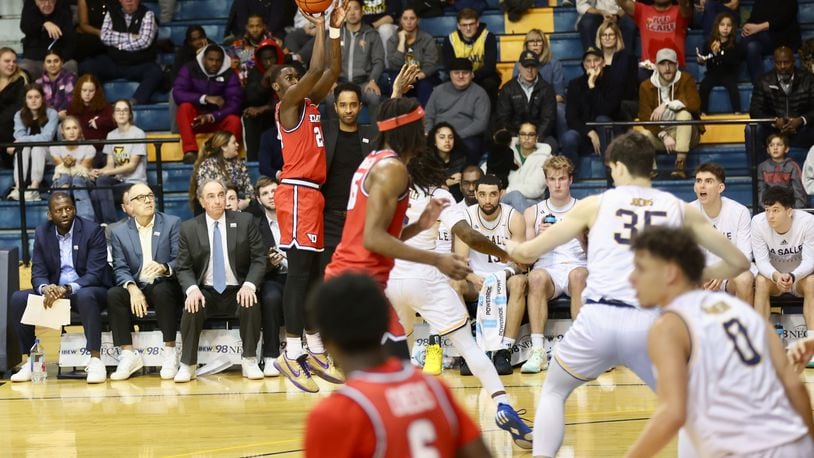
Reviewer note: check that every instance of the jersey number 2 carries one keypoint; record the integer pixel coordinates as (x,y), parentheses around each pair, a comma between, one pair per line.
(631,225)
(318,137)
(736,332)
(420,435)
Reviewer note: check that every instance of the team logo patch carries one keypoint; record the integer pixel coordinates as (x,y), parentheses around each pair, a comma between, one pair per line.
(312,238)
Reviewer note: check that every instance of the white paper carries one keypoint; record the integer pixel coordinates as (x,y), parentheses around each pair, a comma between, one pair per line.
(55,317)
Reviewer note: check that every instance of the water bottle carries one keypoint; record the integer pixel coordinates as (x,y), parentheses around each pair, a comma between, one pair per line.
(37,360)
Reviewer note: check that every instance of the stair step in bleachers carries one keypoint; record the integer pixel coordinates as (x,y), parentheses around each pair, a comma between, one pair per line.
(35,213)
(12,239)
(123,89)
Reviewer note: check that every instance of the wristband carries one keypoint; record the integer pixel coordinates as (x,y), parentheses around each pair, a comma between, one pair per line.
(333,33)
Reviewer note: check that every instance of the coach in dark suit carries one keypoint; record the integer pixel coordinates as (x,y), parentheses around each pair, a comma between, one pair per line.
(347,143)
(221,280)
(144,249)
(69,261)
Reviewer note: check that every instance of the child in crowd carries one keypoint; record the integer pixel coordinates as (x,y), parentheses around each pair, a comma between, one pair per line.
(780,170)
(721,59)
(73,165)
(57,83)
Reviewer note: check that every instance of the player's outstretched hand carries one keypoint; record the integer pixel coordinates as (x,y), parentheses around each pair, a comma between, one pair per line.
(800,353)
(453,266)
(318,21)
(338,13)
(404,80)
(431,213)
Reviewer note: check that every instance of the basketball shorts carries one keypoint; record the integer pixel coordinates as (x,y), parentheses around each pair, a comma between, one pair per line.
(559,276)
(432,298)
(299,213)
(604,336)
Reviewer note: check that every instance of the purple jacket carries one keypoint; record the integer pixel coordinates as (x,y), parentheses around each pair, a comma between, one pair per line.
(58,92)
(193,82)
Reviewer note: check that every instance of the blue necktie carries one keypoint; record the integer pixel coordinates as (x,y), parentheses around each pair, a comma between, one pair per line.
(218,265)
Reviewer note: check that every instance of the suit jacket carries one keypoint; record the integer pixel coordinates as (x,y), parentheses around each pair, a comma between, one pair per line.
(367,132)
(126,247)
(89,255)
(247,255)
(272,273)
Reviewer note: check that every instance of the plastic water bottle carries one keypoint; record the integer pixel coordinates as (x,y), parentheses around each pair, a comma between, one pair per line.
(37,360)
(778,328)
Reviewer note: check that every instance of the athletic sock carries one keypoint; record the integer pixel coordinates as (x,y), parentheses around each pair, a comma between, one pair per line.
(507,343)
(501,399)
(314,342)
(293,347)
(536,341)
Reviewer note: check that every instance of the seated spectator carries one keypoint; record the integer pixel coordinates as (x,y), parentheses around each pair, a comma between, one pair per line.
(57,84)
(721,59)
(276,14)
(661,25)
(382,15)
(95,115)
(785,94)
(550,70)
(209,97)
(710,9)
(128,33)
(670,95)
(527,180)
(145,249)
(33,123)
(448,148)
(592,13)
(73,164)
(90,17)
(258,114)
(474,42)
(771,25)
(46,24)
(221,262)
(783,243)
(621,69)
(241,51)
(219,161)
(780,170)
(410,45)
(126,162)
(232,198)
(591,98)
(68,263)
(271,295)
(464,105)
(13,81)
(195,41)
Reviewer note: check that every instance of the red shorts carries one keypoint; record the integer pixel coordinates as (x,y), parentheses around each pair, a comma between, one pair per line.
(299,213)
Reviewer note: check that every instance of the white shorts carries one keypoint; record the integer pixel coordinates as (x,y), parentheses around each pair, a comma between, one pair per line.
(725,283)
(559,276)
(804,446)
(604,336)
(432,298)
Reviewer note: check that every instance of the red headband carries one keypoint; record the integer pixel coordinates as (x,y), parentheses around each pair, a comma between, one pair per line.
(398,121)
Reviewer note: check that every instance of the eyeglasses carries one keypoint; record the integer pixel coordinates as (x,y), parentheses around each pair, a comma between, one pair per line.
(143,198)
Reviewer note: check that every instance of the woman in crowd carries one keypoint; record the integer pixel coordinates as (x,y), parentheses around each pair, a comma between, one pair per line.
(445,144)
(95,115)
(73,164)
(219,160)
(35,122)
(621,68)
(12,94)
(412,45)
(57,82)
(550,71)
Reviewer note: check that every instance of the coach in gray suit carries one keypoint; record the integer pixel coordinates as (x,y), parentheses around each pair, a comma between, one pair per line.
(222,280)
(144,249)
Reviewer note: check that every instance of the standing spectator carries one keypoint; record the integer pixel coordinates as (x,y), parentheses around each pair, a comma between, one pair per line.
(73,165)
(209,97)
(57,83)
(241,51)
(780,170)
(381,15)
(786,94)
(550,70)
(474,42)
(621,69)
(464,105)
(771,25)
(95,115)
(591,98)
(446,145)
(592,13)
(258,114)
(12,95)
(126,162)
(46,24)
(128,33)
(33,123)
(219,161)
(527,182)
(91,16)
(661,25)
(721,58)
(276,14)
(670,95)
(410,45)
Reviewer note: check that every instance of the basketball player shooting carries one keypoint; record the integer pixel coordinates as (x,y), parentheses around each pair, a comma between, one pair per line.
(299,201)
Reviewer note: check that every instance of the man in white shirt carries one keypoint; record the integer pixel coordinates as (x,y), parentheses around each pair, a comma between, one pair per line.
(783,246)
(732,219)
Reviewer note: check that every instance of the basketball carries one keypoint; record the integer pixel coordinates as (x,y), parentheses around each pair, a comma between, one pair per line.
(314,6)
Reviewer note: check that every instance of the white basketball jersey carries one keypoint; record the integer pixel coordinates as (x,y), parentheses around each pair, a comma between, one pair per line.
(784,253)
(497,231)
(569,253)
(623,212)
(734,222)
(425,240)
(444,242)
(736,404)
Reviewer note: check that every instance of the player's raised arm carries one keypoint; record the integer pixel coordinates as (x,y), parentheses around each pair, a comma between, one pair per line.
(579,218)
(732,262)
(333,58)
(291,100)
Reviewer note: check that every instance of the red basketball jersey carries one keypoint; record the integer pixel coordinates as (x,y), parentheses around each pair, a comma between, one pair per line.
(351,254)
(303,146)
(391,411)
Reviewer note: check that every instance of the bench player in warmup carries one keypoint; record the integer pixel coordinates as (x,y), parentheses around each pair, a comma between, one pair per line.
(299,201)
(611,328)
(723,374)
